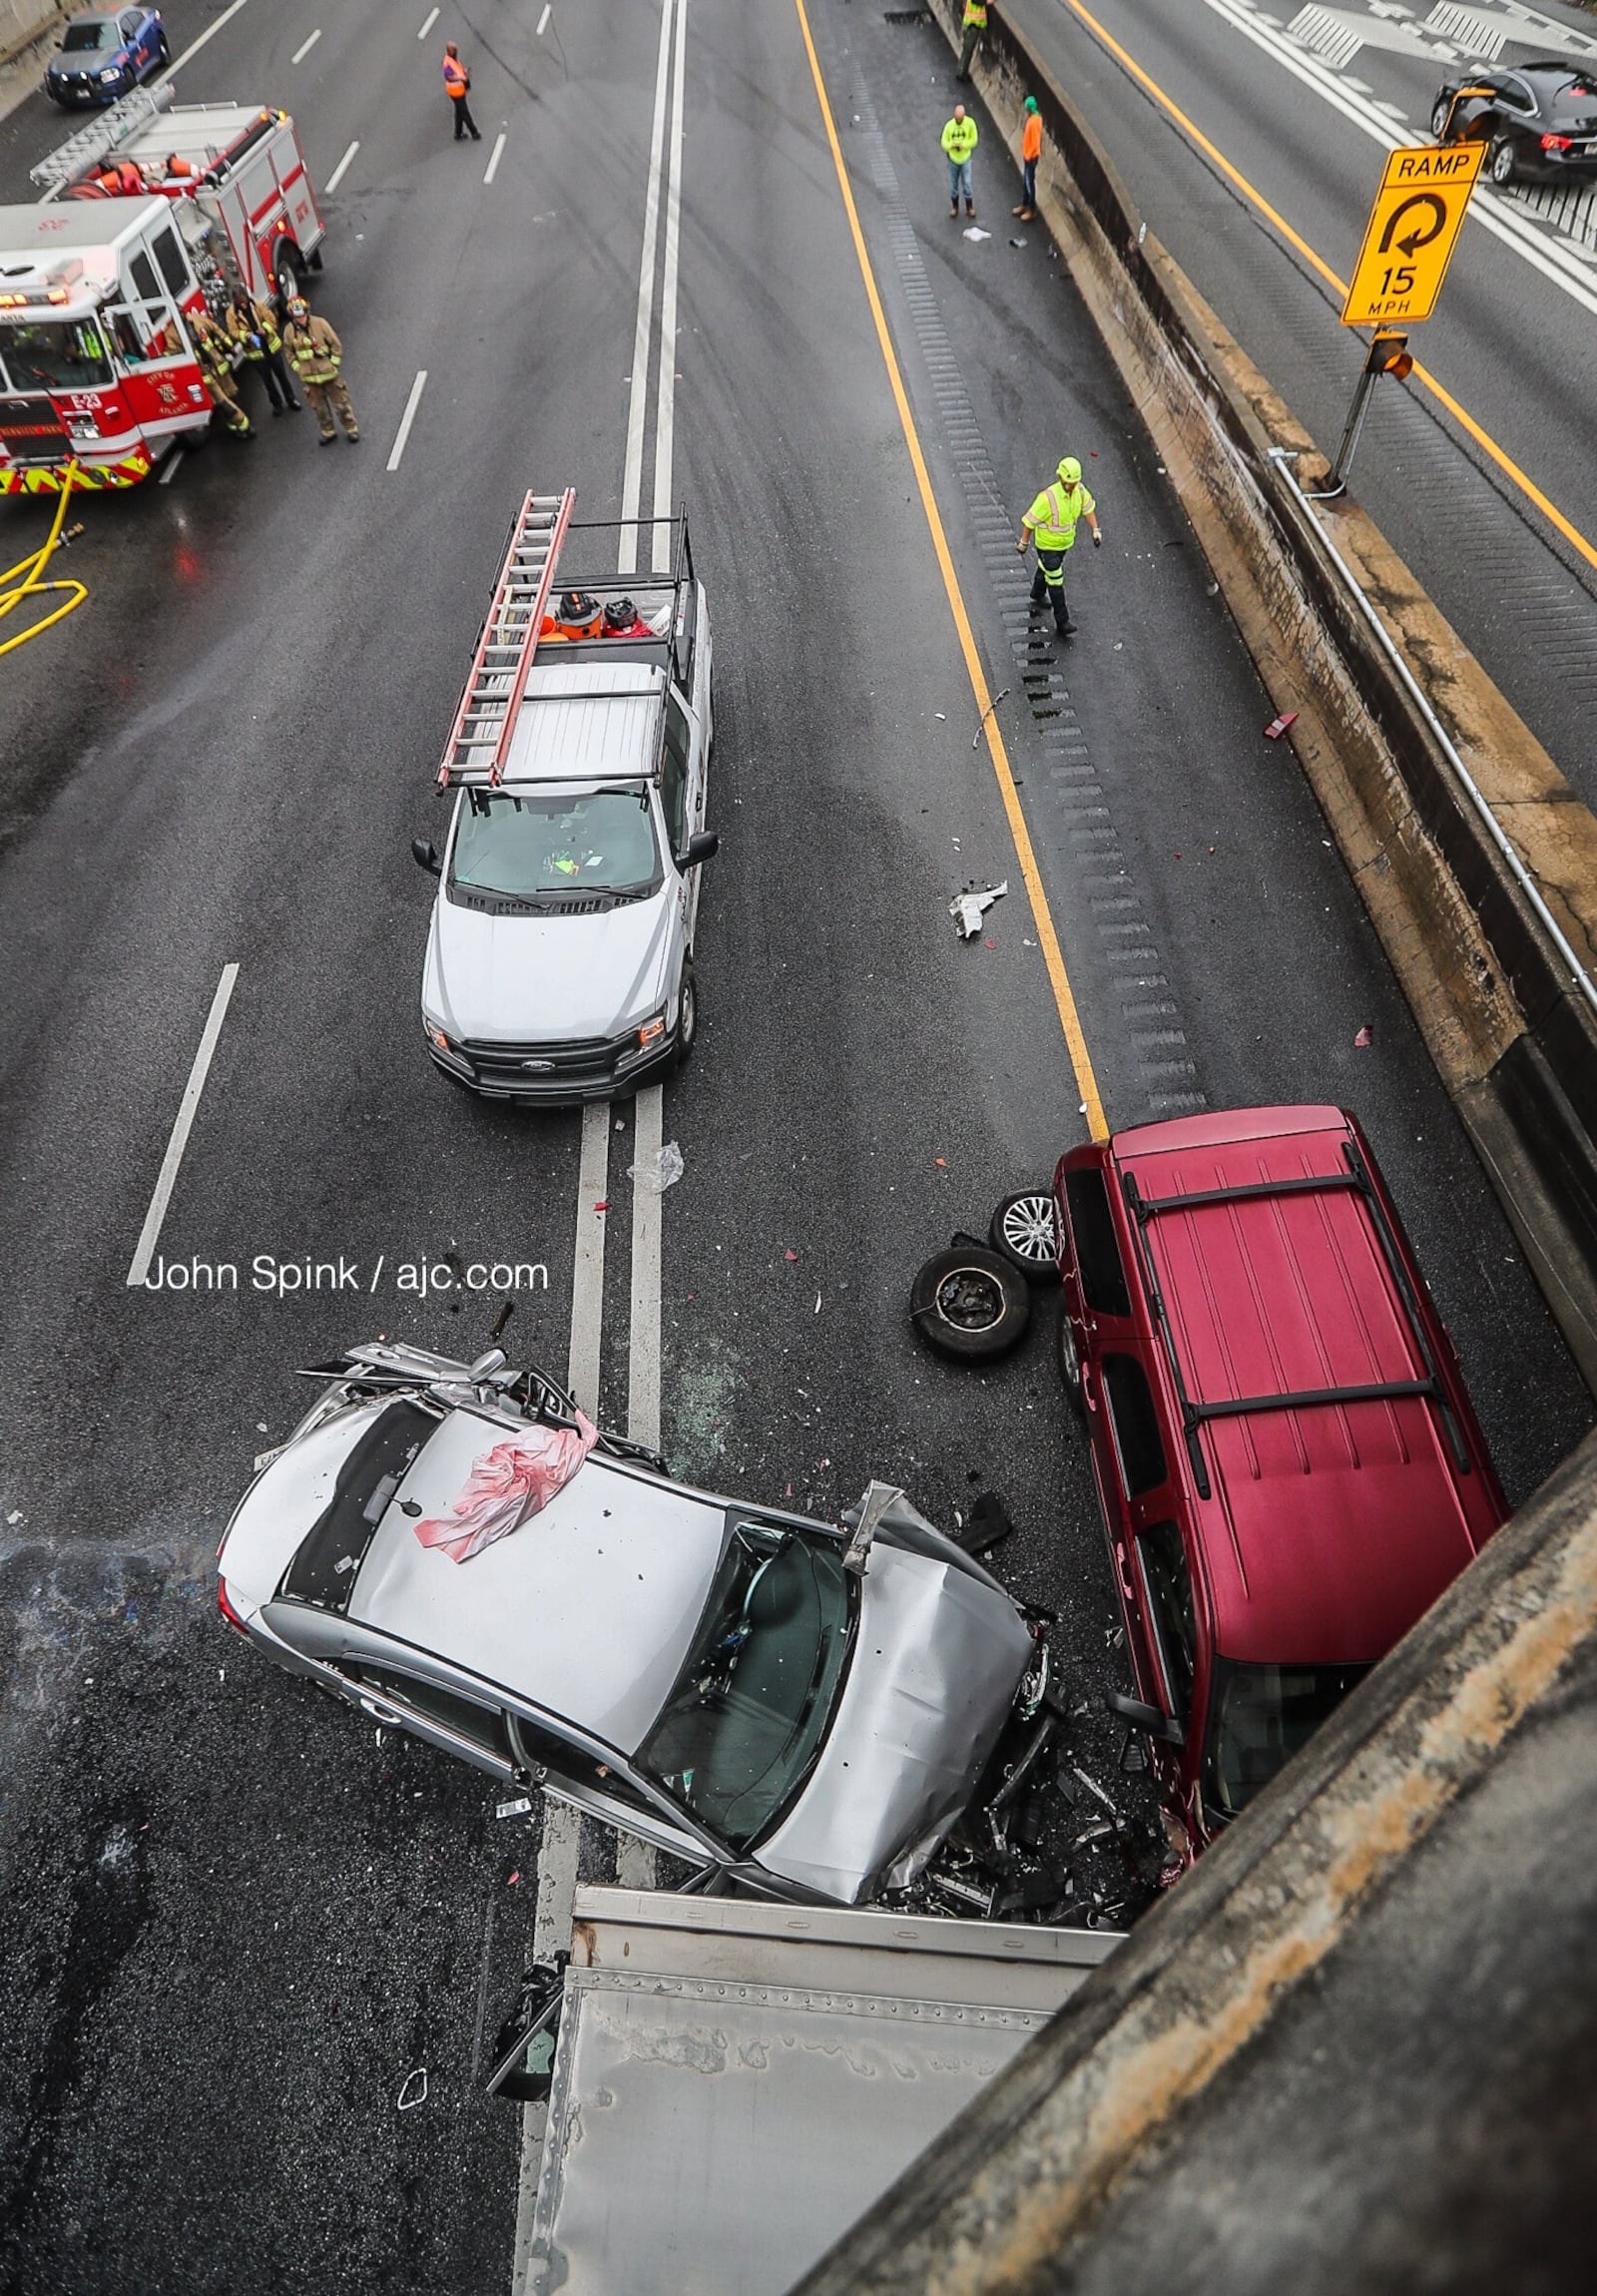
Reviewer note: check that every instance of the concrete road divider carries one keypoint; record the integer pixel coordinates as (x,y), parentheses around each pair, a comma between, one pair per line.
(1484,895)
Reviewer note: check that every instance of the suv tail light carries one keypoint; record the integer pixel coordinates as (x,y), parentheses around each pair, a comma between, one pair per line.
(227,1609)
(1555,143)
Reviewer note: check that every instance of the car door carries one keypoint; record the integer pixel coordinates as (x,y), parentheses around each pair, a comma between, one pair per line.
(1140,1488)
(682,796)
(130,25)
(604,1790)
(395,1699)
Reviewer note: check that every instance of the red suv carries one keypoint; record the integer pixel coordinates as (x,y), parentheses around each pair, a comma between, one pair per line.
(1290,1469)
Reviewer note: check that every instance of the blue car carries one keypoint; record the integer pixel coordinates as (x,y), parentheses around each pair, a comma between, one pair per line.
(101,57)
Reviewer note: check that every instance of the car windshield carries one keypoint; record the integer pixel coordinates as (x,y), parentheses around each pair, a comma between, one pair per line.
(746,1718)
(1263,1717)
(81,37)
(527,847)
(54,355)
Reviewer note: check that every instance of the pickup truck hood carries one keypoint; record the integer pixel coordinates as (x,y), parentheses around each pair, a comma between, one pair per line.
(518,979)
(938,1658)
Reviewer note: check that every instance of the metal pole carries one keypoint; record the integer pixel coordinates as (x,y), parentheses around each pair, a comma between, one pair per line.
(1338,481)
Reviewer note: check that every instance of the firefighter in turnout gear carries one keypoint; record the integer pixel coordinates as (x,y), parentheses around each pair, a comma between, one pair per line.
(316,356)
(1051,522)
(254,326)
(215,363)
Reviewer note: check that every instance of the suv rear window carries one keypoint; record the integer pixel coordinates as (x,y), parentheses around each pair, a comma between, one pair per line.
(328,1558)
(1135,1424)
(1261,1716)
(1092,1227)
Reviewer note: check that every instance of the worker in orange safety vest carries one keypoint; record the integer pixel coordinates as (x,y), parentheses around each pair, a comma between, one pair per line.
(457,83)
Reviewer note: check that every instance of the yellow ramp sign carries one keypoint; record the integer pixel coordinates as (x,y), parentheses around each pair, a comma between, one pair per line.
(1413,229)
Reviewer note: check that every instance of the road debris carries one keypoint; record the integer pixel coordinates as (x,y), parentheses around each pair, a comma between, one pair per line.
(1278,726)
(968,909)
(660,1171)
(415,2090)
(1366,1036)
(517,1808)
(1002,695)
(975,232)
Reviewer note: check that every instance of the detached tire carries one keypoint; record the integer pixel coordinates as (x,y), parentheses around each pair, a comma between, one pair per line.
(971,1304)
(1023,1230)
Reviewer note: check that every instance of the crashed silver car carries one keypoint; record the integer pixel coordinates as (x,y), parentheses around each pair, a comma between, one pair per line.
(800,1710)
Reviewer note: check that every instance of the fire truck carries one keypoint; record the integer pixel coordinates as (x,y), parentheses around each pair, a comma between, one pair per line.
(151,215)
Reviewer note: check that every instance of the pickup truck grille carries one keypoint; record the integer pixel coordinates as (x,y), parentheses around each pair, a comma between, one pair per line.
(589,1061)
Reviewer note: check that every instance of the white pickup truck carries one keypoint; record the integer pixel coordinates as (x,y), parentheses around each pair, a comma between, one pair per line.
(559,963)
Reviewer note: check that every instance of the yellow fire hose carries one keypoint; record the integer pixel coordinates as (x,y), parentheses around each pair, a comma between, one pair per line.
(33,584)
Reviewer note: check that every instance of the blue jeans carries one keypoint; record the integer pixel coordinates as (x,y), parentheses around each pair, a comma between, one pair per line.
(959,174)
(1028,184)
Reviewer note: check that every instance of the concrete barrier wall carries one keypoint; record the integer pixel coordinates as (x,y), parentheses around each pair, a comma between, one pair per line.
(24,21)
(1515,1045)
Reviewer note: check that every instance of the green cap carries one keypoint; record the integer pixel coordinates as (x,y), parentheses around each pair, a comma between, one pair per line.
(1070,470)
(1031,103)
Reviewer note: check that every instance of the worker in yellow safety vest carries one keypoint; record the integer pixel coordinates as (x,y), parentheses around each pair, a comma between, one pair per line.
(1051,523)
(958,142)
(974,26)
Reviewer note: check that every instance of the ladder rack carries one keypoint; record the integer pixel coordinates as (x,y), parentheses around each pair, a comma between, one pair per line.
(98,139)
(486,719)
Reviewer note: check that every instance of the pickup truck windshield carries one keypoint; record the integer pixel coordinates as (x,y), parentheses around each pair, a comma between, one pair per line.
(748,1716)
(63,354)
(526,846)
(1262,1715)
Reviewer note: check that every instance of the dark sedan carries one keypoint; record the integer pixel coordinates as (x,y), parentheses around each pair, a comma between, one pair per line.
(102,57)
(1540,121)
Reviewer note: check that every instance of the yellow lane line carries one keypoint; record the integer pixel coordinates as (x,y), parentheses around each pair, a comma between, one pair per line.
(1064,995)
(1423,374)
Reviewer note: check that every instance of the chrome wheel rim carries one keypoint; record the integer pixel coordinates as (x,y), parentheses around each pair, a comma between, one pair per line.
(1027,1228)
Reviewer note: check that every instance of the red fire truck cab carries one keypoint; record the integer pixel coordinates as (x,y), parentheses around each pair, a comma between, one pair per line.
(97,359)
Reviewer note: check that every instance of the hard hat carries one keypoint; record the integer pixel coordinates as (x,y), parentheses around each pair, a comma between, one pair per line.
(1070,470)
(299,309)
(620,614)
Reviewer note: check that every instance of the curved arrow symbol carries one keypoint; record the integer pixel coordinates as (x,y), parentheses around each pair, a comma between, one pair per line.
(1416,238)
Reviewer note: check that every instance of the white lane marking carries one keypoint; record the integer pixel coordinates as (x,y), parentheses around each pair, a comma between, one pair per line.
(643,1351)
(551,1933)
(149,1233)
(632,475)
(306,46)
(637,1864)
(1552,257)
(407,418)
(548,11)
(337,178)
(666,390)
(493,161)
(428,22)
(588,1269)
(210,33)
(171,471)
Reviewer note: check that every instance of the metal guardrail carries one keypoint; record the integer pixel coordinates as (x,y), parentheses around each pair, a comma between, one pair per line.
(1580,980)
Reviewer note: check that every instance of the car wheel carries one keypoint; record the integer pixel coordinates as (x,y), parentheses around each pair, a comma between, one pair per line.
(687,1017)
(163,53)
(1501,164)
(1441,113)
(1069,1361)
(1023,1229)
(286,273)
(971,1304)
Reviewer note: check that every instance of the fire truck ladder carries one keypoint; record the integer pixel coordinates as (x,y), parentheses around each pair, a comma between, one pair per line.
(487,717)
(100,137)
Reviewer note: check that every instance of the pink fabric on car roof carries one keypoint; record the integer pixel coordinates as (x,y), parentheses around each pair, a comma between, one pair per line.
(507,1484)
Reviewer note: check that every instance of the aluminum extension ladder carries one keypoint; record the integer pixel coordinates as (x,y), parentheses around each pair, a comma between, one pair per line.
(99,138)
(487,717)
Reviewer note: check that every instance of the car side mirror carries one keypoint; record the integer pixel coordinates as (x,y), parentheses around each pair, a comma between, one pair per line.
(699,847)
(1146,1718)
(425,855)
(485,1365)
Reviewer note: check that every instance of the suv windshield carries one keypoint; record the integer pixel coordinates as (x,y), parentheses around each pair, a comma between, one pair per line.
(83,37)
(1263,1717)
(64,354)
(527,847)
(748,1716)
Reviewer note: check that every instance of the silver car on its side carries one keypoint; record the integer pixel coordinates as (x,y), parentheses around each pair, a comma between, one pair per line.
(808,1709)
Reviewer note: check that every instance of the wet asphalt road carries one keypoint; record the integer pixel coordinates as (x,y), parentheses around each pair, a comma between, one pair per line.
(234,1922)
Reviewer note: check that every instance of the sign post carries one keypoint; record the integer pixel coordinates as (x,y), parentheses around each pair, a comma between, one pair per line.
(1413,227)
